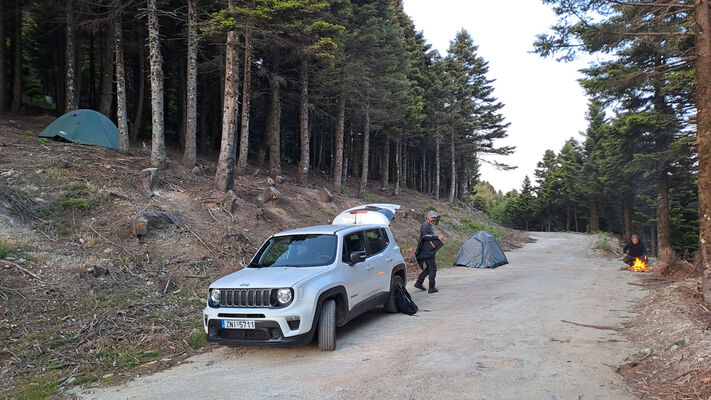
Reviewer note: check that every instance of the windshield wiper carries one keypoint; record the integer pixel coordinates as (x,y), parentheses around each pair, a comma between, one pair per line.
(254,265)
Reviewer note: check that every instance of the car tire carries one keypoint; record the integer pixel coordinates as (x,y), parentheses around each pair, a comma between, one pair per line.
(327,326)
(390,306)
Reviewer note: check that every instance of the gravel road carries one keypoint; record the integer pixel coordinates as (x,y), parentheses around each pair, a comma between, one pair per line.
(488,334)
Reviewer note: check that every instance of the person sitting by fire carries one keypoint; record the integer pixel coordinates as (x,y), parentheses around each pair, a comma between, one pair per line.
(633,250)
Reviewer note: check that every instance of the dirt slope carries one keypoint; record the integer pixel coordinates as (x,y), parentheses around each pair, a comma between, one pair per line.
(488,334)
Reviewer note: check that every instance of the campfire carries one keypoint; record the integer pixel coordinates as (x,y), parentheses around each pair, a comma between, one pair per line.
(639,265)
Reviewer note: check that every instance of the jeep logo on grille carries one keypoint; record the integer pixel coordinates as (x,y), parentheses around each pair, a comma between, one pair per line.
(244,284)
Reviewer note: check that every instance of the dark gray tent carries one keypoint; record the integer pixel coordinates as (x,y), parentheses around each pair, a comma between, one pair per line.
(481,250)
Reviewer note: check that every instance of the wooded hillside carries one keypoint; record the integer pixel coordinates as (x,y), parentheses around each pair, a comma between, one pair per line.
(345,87)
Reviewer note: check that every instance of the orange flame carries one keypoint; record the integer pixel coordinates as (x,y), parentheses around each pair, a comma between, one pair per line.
(639,265)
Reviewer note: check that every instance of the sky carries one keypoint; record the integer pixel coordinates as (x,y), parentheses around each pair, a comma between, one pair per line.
(543,101)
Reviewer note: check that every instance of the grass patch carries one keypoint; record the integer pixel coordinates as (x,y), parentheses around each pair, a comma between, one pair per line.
(74,203)
(469,226)
(197,340)
(428,207)
(37,389)
(58,175)
(43,141)
(5,251)
(372,197)
(605,242)
(347,191)
(329,213)
(448,252)
(678,343)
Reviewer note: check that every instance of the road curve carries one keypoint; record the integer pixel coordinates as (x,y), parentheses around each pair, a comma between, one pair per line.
(488,334)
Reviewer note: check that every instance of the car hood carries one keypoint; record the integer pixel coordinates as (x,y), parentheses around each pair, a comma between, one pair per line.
(269,277)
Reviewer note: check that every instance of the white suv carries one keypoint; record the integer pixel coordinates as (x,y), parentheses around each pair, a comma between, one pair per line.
(308,281)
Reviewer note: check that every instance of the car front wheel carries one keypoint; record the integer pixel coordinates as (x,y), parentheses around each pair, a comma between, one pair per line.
(327,326)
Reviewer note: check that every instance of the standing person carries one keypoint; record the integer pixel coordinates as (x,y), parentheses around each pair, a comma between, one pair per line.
(426,249)
(633,249)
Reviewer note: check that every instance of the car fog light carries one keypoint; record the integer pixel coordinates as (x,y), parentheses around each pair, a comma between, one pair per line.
(215,296)
(284,296)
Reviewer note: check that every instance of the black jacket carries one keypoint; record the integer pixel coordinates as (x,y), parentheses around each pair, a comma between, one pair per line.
(634,250)
(427,248)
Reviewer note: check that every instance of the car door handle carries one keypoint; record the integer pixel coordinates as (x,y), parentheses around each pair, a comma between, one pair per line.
(368,267)
(389,259)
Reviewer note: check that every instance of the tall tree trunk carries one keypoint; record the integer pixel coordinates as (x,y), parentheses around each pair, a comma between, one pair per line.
(70,102)
(404,155)
(17,85)
(190,154)
(438,162)
(121,116)
(627,222)
(3,92)
(702,16)
(398,165)
(140,92)
(366,153)
(338,147)
(274,123)
(246,98)
(303,173)
(158,157)
(666,253)
(226,163)
(385,177)
(452,189)
(594,216)
(107,72)
(567,217)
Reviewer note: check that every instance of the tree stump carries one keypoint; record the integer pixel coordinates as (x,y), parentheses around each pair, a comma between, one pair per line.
(326,196)
(268,194)
(150,180)
(140,226)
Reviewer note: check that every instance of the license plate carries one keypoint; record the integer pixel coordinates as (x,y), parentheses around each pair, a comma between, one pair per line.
(229,324)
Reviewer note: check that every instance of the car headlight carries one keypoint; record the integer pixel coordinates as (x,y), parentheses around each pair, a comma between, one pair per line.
(284,296)
(215,297)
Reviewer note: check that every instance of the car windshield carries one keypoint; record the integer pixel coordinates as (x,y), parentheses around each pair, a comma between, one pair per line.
(296,251)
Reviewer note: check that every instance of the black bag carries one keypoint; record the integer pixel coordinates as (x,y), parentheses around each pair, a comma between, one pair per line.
(404,302)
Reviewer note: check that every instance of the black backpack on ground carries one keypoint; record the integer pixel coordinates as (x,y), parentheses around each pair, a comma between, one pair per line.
(404,302)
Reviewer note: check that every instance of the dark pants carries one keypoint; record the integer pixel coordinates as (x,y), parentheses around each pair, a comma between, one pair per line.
(430,270)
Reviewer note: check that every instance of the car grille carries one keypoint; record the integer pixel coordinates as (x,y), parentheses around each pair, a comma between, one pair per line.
(246,298)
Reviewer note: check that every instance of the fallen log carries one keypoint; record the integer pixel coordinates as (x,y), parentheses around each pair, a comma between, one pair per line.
(268,194)
(326,196)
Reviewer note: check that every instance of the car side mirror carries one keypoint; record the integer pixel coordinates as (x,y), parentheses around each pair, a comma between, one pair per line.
(356,257)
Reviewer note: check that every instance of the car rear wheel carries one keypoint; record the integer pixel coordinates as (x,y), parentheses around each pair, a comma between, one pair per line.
(327,326)
(390,305)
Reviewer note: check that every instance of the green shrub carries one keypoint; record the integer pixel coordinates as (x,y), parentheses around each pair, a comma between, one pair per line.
(79,203)
(428,207)
(198,340)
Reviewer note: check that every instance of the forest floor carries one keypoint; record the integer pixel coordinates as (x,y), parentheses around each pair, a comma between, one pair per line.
(83,303)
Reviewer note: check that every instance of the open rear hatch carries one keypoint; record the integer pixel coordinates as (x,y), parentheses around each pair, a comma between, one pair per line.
(379,214)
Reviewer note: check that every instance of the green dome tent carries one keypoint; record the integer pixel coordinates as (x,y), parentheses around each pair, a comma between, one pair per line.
(84,126)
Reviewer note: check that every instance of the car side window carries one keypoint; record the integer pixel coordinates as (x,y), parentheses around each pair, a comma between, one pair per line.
(352,242)
(385,237)
(376,241)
